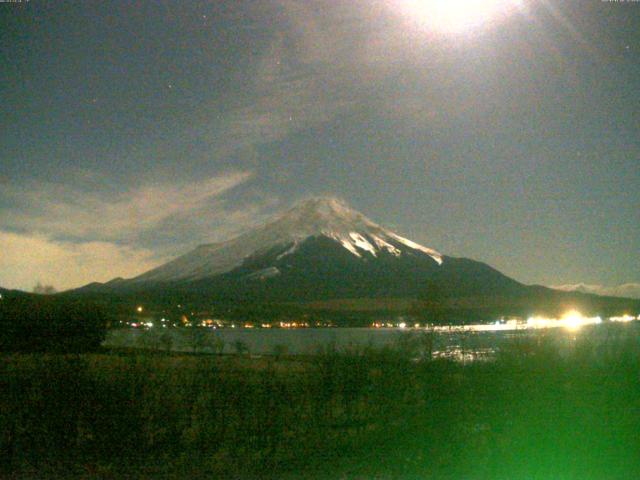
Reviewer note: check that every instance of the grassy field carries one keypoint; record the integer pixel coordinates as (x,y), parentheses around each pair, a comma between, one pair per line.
(534,413)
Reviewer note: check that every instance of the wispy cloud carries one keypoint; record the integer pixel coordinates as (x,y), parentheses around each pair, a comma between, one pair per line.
(320,60)
(67,211)
(66,236)
(628,290)
(323,59)
(288,94)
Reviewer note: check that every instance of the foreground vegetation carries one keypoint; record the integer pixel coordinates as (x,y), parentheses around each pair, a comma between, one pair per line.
(537,412)
(45,323)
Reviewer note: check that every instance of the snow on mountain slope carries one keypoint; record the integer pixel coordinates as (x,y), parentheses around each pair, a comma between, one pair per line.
(315,217)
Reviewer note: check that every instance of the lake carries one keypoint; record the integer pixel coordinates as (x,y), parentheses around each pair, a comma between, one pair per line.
(459,344)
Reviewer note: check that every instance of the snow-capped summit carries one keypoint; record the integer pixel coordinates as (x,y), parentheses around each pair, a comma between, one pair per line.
(322,251)
(329,217)
(319,216)
(312,218)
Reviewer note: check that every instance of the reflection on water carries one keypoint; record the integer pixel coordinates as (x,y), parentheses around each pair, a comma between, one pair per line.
(458,343)
(457,353)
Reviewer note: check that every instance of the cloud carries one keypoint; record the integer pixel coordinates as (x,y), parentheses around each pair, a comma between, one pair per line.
(66,235)
(322,60)
(628,290)
(287,95)
(218,220)
(69,211)
(317,61)
(27,259)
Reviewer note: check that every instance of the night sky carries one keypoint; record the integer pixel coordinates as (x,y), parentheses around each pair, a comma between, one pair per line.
(134,131)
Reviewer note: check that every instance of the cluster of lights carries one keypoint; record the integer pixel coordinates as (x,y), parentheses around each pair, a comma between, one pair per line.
(401,325)
(499,325)
(142,324)
(293,324)
(381,325)
(624,318)
(211,323)
(571,320)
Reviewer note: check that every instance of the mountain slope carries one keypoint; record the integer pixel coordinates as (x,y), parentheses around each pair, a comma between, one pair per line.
(321,268)
(320,251)
(317,217)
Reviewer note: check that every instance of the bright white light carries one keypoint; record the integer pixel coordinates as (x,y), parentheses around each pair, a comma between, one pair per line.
(453,16)
(623,318)
(573,320)
(402,325)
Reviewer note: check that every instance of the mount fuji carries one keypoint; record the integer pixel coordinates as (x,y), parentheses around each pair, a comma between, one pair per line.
(322,252)
(318,220)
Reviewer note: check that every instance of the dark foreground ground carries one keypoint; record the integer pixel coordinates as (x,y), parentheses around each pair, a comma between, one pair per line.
(534,413)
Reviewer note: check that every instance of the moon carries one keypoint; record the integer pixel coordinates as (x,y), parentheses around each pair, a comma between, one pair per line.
(457,16)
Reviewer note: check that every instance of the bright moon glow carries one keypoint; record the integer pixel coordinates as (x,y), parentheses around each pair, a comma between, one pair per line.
(454,16)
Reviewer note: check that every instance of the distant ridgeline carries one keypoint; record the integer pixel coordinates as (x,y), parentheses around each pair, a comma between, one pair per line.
(49,323)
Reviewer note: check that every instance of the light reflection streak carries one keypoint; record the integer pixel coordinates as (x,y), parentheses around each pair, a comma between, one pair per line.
(624,318)
(571,320)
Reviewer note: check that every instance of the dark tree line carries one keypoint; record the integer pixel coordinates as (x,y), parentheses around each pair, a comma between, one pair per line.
(53,324)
